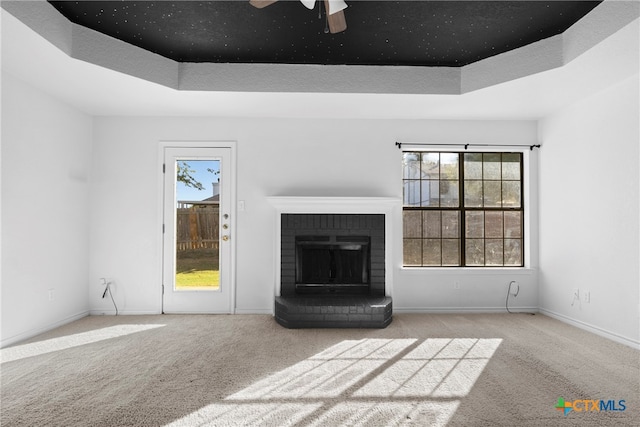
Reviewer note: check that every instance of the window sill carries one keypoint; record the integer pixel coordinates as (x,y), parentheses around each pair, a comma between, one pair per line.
(479,271)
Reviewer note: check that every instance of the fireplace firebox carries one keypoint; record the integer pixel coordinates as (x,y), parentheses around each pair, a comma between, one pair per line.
(332,254)
(332,264)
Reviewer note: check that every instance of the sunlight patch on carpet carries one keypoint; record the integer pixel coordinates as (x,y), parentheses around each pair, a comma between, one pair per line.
(23,351)
(441,368)
(326,374)
(360,383)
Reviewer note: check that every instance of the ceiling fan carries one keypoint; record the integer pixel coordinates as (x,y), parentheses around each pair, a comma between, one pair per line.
(334,11)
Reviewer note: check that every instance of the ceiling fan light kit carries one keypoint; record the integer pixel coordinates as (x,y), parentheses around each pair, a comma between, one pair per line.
(336,20)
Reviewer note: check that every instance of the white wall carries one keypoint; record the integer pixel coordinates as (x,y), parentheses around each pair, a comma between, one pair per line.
(276,157)
(589,190)
(45,218)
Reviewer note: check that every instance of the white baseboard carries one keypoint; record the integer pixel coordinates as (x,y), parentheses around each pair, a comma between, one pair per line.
(593,329)
(37,331)
(464,310)
(123,313)
(254,311)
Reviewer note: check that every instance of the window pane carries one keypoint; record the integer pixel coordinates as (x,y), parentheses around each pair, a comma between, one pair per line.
(430,165)
(472,194)
(493,251)
(449,194)
(511,194)
(474,252)
(492,194)
(449,166)
(472,166)
(430,194)
(432,226)
(450,252)
(450,224)
(513,252)
(412,252)
(432,252)
(411,165)
(474,224)
(412,224)
(511,166)
(411,193)
(493,224)
(513,224)
(491,166)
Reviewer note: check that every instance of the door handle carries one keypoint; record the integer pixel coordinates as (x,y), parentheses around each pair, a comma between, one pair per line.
(225,237)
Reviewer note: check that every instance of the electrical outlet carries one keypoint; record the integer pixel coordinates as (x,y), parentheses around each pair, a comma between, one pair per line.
(51,294)
(586,296)
(514,288)
(575,296)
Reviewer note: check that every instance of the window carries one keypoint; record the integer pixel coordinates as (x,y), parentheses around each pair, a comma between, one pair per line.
(462,209)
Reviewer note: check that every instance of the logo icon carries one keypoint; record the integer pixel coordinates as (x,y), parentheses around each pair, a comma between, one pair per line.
(590,405)
(564,406)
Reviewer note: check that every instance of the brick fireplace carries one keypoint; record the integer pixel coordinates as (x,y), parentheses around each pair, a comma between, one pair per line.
(332,254)
(333,261)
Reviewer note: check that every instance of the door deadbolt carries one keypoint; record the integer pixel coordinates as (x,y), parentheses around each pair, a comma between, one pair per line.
(225,237)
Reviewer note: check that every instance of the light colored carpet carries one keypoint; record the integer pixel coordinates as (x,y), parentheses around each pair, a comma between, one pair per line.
(424,369)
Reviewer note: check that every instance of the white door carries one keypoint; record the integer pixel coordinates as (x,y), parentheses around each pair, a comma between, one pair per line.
(197,276)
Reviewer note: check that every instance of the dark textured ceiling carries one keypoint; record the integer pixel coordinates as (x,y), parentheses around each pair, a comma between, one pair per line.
(417,33)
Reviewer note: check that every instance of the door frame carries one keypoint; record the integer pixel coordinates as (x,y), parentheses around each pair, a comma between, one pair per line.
(228,144)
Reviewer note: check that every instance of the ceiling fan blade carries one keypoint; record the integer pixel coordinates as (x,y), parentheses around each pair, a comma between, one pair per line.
(261,3)
(336,6)
(337,21)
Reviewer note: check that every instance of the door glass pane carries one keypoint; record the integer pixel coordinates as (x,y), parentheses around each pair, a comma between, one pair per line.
(197,225)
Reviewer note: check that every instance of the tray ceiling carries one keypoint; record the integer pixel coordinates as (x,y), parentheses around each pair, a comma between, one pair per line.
(413,33)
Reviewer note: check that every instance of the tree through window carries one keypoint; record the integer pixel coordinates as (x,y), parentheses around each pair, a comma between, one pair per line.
(462,209)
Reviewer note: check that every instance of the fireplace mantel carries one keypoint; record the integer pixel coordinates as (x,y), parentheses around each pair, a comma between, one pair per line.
(335,205)
(297,204)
